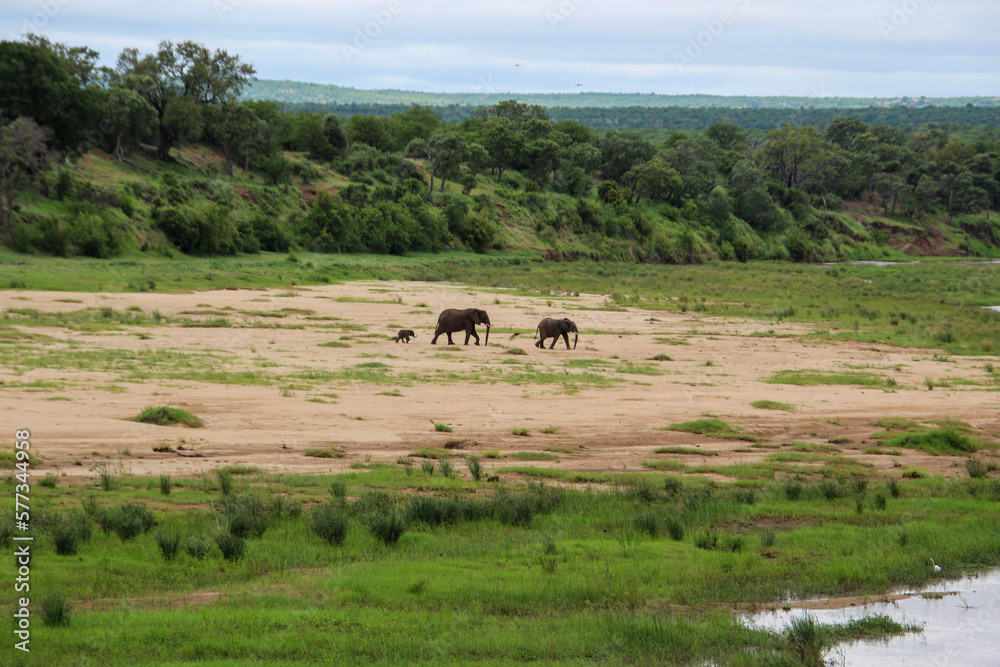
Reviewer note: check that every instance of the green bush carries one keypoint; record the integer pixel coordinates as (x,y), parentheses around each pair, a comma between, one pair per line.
(232,546)
(56,611)
(475,467)
(197,546)
(127,521)
(647,522)
(388,527)
(674,529)
(246,515)
(169,542)
(329,522)
(165,485)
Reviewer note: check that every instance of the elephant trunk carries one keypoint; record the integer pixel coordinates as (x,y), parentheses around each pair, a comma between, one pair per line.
(487,342)
(576,337)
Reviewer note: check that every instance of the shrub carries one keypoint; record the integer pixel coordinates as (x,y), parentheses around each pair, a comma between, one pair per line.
(127,521)
(49,481)
(879,501)
(475,467)
(446,467)
(647,522)
(69,530)
(329,522)
(745,496)
(672,486)
(894,488)
(165,484)
(373,502)
(859,485)
(65,539)
(169,542)
(830,489)
(338,489)
(804,639)
(388,527)
(640,491)
(246,515)
(232,546)
(427,466)
(432,511)
(706,540)
(793,490)
(197,546)
(674,529)
(56,611)
(976,469)
(225,481)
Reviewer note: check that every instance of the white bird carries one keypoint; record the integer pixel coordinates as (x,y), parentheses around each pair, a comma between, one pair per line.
(937,568)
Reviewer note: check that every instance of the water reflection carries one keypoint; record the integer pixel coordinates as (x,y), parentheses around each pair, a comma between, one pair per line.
(959,620)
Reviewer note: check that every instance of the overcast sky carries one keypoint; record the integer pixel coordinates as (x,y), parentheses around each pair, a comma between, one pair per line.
(851,48)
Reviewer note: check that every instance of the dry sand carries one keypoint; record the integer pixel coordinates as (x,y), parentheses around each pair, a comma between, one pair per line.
(616,426)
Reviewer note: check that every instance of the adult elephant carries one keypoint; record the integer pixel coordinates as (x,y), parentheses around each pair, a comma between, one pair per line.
(453,319)
(553,328)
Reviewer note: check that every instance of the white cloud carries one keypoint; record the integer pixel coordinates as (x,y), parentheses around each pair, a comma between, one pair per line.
(930,47)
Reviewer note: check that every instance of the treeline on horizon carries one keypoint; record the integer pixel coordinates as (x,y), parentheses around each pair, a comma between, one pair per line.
(367,183)
(700,118)
(299,92)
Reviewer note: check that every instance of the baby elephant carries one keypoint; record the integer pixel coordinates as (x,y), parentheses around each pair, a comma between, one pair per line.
(404,335)
(552,328)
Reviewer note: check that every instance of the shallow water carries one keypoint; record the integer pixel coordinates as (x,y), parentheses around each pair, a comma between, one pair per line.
(960,627)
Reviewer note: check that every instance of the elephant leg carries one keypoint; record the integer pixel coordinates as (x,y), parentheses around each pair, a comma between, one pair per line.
(450,342)
(555,339)
(539,344)
(566,338)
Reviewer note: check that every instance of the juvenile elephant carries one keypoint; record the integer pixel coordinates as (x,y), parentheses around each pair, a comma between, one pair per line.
(404,335)
(453,319)
(553,328)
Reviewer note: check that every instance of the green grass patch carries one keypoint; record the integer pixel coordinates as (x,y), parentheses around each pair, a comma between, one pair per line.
(711,428)
(531,456)
(694,451)
(167,416)
(772,405)
(816,378)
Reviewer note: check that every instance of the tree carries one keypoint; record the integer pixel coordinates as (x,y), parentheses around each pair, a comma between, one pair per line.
(656,180)
(796,155)
(34,84)
(232,124)
(184,77)
(443,152)
(961,194)
(891,189)
(622,151)
(128,119)
(503,143)
(23,157)
(369,130)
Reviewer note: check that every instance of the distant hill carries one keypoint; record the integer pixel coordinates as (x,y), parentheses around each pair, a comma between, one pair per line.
(299,92)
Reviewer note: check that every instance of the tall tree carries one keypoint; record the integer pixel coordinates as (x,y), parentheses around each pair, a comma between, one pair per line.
(23,157)
(185,77)
(34,83)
